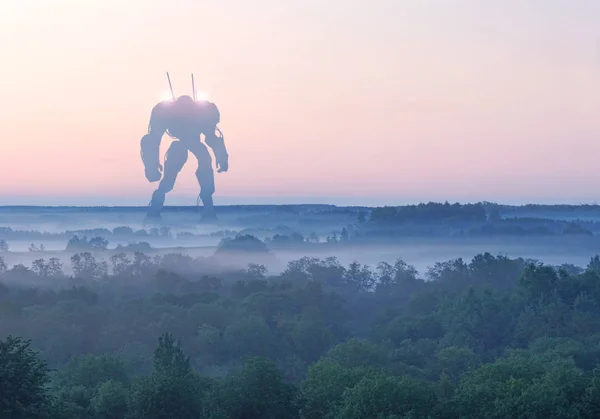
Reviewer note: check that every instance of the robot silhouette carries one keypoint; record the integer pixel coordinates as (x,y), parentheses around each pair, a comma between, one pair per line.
(184,119)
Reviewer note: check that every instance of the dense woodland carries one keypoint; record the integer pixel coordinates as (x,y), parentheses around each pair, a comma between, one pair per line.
(175,337)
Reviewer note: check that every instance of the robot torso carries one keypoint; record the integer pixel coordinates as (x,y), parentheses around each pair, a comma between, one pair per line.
(185,118)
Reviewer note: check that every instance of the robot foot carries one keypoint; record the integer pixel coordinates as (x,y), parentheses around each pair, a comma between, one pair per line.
(153,215)
(153,218)
(209,217)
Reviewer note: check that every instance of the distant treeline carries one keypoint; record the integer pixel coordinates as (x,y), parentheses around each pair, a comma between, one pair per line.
(479,219)
(554,208)
(430,212)
(361,223)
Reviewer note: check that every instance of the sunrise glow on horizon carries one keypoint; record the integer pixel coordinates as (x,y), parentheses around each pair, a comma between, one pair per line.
(400,100)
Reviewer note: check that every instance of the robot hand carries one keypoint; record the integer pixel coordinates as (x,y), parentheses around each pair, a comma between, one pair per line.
(222,165)
(217,143)
(154,174)
(149,152)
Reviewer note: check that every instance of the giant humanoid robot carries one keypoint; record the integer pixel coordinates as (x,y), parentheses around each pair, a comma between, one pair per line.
(184,119)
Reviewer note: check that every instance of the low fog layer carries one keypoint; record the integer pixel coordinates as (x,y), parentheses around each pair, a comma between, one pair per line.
(421,235)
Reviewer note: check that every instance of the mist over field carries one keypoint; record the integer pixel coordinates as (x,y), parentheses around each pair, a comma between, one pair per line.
(53,227)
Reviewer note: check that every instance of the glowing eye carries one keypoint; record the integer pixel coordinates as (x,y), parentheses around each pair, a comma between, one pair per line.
(201,96)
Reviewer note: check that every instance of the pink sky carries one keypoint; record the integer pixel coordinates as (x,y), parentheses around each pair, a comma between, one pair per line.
(410,100)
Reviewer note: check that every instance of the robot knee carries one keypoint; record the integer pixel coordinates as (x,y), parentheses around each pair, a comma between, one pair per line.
(206,193)
(177,154)
(207,185)
(205,174)
(165,187)
(167,184)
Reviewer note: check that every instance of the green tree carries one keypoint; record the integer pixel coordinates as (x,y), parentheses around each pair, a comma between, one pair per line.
(321,391)
(257,391)
(358,353)
(538,281)
(388,397)
(172,390)
(91,371)
(23,379)
(110,401)
(522,386)
(311,336)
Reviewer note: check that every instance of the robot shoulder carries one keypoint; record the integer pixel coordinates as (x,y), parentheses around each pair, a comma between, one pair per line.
(213,113)
(162,111)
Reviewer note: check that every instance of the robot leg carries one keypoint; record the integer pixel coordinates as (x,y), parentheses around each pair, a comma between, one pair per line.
(175,159)
(206,180)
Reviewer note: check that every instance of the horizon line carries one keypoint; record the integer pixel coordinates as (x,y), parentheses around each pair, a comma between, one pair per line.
(142,207)
(14,200)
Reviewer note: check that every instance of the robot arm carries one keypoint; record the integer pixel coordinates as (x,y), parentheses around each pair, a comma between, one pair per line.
(214,139)
(150,144)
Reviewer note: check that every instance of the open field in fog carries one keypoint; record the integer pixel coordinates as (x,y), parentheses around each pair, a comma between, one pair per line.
(420,243)
(420,253)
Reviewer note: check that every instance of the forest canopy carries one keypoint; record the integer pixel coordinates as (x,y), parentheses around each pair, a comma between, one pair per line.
(173,336)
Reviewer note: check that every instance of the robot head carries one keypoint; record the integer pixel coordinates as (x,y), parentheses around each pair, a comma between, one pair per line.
(184,103)
(184,100)
(197,96)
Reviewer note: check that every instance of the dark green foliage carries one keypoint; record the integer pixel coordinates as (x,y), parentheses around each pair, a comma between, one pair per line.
(256,391)
(492,338)
(383,396)
(172,390)
(23,378)
(324,386)
(110,401)
(91,371)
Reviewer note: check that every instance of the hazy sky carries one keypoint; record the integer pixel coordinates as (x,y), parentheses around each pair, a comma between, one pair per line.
(388,100)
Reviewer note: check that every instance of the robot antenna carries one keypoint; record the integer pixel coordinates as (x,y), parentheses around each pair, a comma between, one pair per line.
(170,85)
(193,87)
